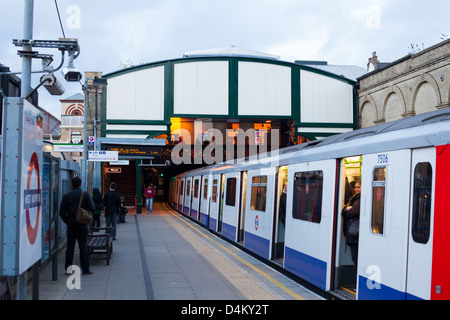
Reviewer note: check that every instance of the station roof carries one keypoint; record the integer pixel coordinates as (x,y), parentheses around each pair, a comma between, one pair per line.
(347,71)
(230,51)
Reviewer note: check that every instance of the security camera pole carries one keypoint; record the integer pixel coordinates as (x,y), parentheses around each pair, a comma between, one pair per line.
(25,91)
(21,250)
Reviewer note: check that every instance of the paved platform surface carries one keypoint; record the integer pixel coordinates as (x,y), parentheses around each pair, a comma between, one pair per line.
(164,256)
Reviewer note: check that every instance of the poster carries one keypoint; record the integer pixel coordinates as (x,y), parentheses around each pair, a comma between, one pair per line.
(30,222)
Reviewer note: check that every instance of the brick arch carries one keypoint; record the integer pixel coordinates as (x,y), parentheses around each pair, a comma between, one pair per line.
(426,78)
(394,90)
(368,104)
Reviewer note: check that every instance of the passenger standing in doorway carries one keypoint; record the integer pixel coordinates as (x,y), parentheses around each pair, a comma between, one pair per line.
(112,204)
(282,215)
(98,202)
(351,216)
(76,230)
(149,194)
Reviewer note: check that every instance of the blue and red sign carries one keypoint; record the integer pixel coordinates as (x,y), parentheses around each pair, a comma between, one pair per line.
(32,198)
(256,223)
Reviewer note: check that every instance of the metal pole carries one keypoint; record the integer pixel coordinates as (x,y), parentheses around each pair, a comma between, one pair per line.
(94,172)
(85,166)
(27,59)
(25,91)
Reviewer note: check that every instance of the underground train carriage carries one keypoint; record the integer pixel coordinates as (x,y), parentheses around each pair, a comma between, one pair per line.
(403,192)
(307,244)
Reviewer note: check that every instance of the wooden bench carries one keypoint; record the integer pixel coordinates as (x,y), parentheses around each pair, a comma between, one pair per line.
(5,289)
(100,242)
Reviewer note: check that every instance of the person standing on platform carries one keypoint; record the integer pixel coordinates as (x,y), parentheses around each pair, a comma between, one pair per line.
(76,230)
(98,202)
(149,194)
(112,204)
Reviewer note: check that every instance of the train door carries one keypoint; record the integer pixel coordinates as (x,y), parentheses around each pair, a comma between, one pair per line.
(345,272)
(221,203)
(383,230)
(214,202)
(181,195)
(231,205)
(241,227)
(280,214)
(187,197)
(195,208)
(204,200)
(309,224)
(420,244)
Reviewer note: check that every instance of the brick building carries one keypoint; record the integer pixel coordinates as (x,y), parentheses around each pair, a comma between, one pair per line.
(415,84)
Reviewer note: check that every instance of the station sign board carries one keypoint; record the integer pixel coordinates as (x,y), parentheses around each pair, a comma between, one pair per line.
(113,170)
(61,147)
(103,156)
(135,150)
(21,197)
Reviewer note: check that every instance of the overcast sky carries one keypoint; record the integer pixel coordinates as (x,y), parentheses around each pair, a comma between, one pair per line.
(342,32)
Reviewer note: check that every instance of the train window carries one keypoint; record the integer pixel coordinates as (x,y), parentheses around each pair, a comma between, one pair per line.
(214,191)
(231,192)
(196,187)
(259,190)
(188,188)
(182,188)
(378,195)
(423,178)
(205,189)
(308,189)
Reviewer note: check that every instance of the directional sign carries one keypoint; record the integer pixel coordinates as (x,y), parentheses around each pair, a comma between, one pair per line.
(103,156)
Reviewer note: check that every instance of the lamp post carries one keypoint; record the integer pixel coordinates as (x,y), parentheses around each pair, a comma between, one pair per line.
(96,82)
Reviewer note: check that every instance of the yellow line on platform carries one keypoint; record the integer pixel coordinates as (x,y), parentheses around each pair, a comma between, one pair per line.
(262,273)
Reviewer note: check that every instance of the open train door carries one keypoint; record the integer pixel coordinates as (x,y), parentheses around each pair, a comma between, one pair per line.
(345,271)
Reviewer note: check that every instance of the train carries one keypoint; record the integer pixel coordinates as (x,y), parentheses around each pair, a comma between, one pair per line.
(286,207)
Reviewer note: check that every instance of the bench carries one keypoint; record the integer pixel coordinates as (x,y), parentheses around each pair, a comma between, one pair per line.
(5,289)
(100,242)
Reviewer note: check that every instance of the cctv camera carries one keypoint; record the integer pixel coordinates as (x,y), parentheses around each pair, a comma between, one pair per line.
(71,74)
(52,84)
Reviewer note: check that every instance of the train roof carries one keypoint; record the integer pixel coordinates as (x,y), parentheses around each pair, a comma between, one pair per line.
(425,130)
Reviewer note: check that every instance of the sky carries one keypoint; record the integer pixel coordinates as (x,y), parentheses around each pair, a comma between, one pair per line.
(116,32)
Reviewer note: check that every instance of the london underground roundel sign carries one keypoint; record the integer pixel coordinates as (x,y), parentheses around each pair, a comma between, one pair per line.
(33,198)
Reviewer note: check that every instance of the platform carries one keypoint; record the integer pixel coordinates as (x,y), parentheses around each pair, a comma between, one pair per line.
(165,256)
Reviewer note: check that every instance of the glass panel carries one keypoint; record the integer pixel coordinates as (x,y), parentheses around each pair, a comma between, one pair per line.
(259,190)
(307,202)
(196,187)
(378,198)
(231,192)
(188,188)
(423,180)
(205,189)
(214,194)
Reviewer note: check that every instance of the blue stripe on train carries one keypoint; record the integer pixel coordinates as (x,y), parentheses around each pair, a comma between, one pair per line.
(371,290)
(204,218)
(306,267)
(229,231)
(257,244)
